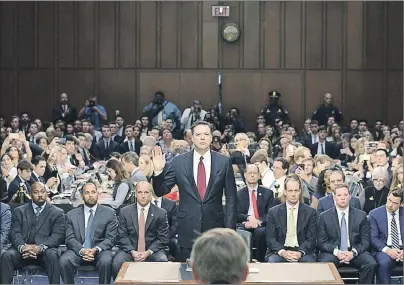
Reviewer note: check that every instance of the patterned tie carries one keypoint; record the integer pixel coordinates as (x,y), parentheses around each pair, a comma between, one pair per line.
(291,229)
(201,178)
(254,204)
(131,146)
(87,238)
(394,232)
(38,211)
(141,244)
(344,234)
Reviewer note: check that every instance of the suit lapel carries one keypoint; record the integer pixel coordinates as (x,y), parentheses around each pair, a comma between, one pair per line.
(336,222)
(29,215)
(301,215)
(401,218)
(246,199)
(81,222)
(135,218)
(97,218)
(42,217)
(150,217)
(351,222)
(260,201)
(384,221)
(283,218)
(189,162)
(214,169)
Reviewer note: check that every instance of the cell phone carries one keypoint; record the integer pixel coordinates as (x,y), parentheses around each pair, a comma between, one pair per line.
(372,144)
(365,157)
(54,173)
(14,136)
(98,177)
(62,140)
(342,151)
(301,166)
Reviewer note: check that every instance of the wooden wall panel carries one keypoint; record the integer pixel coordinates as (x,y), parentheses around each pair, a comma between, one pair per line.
(125,51)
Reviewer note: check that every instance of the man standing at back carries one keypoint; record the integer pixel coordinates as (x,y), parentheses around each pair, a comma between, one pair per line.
(201,175)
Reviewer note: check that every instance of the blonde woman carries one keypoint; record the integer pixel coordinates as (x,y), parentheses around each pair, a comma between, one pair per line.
(146,166)
(397,177)
(322,162)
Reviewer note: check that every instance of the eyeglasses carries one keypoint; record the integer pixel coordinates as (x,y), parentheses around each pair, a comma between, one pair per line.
(380,180)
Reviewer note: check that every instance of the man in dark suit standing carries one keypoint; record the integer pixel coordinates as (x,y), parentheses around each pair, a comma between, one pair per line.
(105,145)
(130,144)
(24,169)
(291,230)
(202,176)
(5,225)
(336,177)
(64,111)
(90,236)
(172,211)
(343,237)
(142,231)
(322,146)
(386,235)
(253,202)
(37,231)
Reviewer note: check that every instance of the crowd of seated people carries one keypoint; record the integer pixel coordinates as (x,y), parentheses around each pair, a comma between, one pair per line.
(278,167)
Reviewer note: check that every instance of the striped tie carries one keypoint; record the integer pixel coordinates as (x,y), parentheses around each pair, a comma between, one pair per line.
(394,232)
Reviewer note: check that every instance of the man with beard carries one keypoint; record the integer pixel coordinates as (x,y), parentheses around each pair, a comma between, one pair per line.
(64,110)
(37,231)
(90,236)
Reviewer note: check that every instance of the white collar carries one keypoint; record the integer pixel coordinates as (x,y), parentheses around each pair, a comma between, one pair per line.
(290,206)
(206,156)
(87,208)
(146,208)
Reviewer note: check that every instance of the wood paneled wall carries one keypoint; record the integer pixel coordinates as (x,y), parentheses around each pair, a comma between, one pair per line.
(124,51)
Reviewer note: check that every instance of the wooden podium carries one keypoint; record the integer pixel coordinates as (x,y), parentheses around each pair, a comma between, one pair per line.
(271,273)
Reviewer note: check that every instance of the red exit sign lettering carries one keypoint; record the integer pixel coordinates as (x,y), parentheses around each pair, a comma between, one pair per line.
(220,11)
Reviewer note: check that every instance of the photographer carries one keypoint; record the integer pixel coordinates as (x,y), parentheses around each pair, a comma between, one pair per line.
(93,112)
(160,109)
(192,115)
(232,118)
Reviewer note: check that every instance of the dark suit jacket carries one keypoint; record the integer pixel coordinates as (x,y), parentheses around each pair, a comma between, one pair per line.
(196,215)
(327,202)
(329,149)
(156,235)
(57,113)
(265,200)
(379,227)
(100,151)
(119,139)
(15,185)
(50,228)
(124,147)
(329,230)
(277,226)
(172,211)
(105,225)
(5,225)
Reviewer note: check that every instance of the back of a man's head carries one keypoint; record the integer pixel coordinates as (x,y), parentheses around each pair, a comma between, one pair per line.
(220,255)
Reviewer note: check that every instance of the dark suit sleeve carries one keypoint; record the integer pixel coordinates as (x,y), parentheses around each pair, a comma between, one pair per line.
(56,114)
(268,205)
(12,189)
(322,237)
(364,236)
(123,240)
(165,181)
(241,215)
(309,244)
(162,234)
(110,233)
(356,203)
(16,229)
(5,225)
(58,230)
(374,233)
(71,240)
(273,244)
(231,196)
(320,206)
(174,221)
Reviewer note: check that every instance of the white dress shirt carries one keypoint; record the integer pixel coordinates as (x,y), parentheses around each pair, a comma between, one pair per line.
(339,212)
(207,161)
(389,218)
(146,211)
(314,138)
(267,178)
(319,150)
(251,208)
(158,200)
(87,214)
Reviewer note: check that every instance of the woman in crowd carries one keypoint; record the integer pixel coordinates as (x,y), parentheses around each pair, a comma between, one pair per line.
(322,161)
(122,185)
(8,169)
(397,177)
(166,141)
(146,166)
(323,187)
(375,195)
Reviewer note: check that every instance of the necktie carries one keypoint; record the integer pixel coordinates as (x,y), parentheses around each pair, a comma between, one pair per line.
(131,146)
(87,238)
(40,179)
(254,204)
(291,229)
(394,232)
(344,234)
(106,145)
(322,149)
(156,203)
(38,211)
(201,178)
(141,244)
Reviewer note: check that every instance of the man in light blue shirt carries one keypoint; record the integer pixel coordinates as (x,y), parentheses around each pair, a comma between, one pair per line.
(93,112)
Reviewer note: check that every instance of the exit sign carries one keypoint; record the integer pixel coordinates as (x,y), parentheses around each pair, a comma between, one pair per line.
(220,11)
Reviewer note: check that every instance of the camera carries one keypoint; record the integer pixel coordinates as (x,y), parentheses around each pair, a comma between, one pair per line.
(91,103)
(301,166)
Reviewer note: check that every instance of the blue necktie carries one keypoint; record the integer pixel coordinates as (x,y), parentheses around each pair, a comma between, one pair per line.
(87,238)
(344,234)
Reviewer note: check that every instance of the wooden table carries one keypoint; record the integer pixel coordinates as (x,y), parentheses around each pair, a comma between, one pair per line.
(272,273)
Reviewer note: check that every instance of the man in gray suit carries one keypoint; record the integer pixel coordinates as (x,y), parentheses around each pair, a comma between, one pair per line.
(5,226)
(90,236)
(130,161)
(142,231)
(37,231)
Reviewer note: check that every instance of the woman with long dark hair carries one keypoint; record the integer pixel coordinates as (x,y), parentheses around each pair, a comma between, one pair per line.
(122,185)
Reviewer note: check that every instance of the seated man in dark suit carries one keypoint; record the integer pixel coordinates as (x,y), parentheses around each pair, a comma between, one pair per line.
(322,146)
(172,210)
(24,169)
(37,231)
(386,235)
(291,226)
(90,236)
(5,225)
(142,231)
(343,236)
(105,145)
(253,202)
(131,144)
(38,171)
(336,177)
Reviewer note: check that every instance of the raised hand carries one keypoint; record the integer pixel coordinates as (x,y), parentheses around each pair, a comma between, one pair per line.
(158,159)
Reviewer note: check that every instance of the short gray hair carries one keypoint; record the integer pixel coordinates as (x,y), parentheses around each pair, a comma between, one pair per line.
(131,157)
(381,172)
(220,254)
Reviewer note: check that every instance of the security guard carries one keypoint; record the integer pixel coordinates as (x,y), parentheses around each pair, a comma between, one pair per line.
(274,109)
(326,110)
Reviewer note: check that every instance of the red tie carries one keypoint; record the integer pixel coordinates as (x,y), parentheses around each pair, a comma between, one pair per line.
(201,178)
(254,203)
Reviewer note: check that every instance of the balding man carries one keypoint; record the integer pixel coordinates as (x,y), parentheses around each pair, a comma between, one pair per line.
(229,253)
(326,110)
(37,231)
